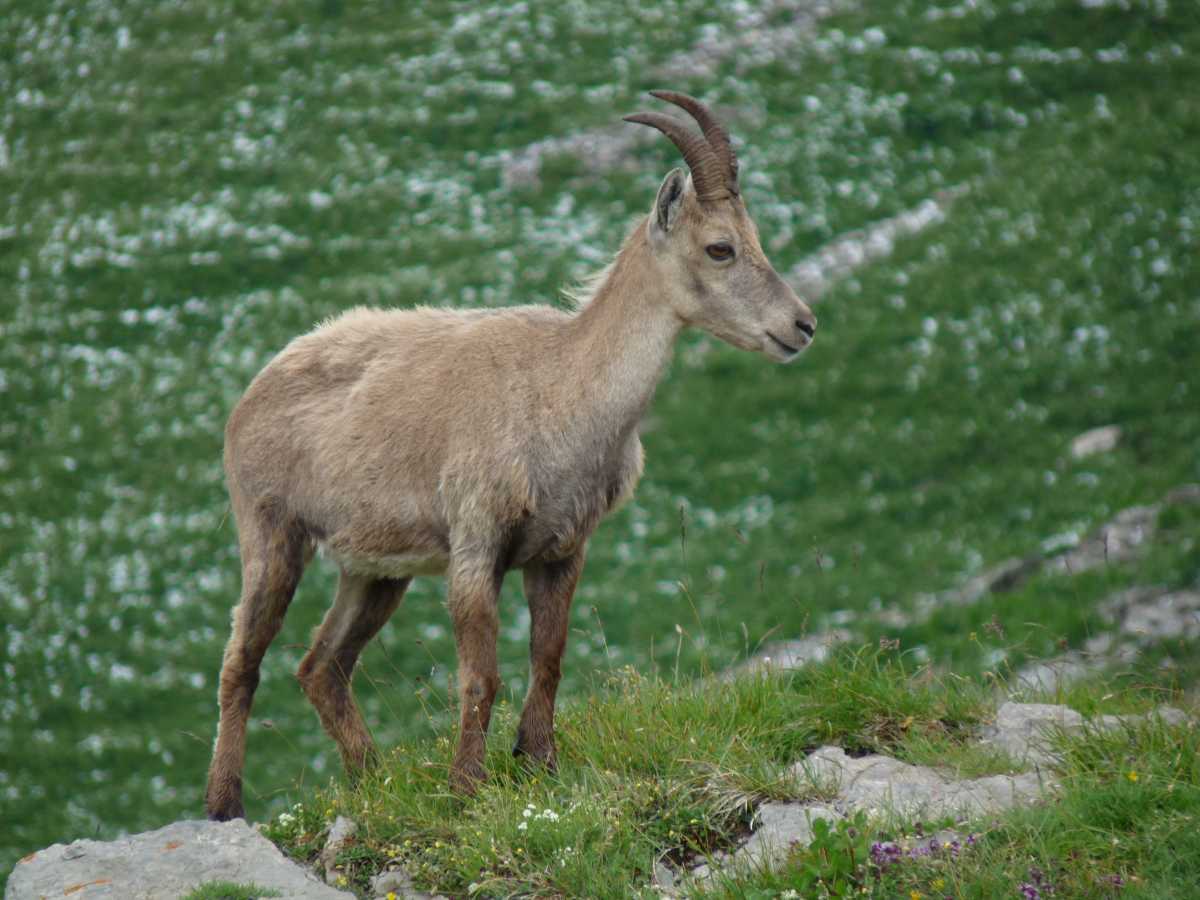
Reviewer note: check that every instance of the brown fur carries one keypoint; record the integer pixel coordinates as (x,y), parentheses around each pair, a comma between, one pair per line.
(432,441)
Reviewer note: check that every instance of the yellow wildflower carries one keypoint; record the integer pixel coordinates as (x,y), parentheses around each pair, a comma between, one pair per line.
(1132,776)
(914,895)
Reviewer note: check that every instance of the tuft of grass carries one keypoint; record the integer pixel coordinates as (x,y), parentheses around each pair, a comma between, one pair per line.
(228,890)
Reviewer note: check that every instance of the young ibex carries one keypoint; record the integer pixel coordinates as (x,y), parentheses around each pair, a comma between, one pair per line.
(432,441)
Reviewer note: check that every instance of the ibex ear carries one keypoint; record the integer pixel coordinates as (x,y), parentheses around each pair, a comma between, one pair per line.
(669,200)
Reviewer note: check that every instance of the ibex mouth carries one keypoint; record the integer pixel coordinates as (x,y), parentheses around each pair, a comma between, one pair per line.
(786,348)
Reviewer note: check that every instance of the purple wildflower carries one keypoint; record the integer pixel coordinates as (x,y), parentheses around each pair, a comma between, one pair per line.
(1038,882)
(885,854)
(1030,892)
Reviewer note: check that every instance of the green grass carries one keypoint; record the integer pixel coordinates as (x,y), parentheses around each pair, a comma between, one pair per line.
(189,186)
(651,770)
(228,890)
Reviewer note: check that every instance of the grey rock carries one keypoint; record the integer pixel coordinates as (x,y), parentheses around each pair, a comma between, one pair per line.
(893,618)
(1024,730)
(801,652)
(392,880)
(1099,644)
(785,655)
(1149,615)
(1049,675)
(664,878)
(781,826)
(775,30)
(342,831)
(1114,608)
(705,870)
(1184,494)
(397,881)
(1169,715)
(164,865)
(880,783)
(1097,440)
(1117,541)
(606,148)
(813,275)
(1004,576)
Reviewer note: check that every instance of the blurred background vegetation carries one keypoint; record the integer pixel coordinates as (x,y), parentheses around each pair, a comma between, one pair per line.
(188,185)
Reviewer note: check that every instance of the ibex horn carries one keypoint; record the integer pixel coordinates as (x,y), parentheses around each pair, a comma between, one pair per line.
(710,158)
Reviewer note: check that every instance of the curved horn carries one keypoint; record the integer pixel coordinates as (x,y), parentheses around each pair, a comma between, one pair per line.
(698,153)
(714,132)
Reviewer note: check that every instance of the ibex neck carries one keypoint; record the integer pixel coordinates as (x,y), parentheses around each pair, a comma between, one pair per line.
(624,336)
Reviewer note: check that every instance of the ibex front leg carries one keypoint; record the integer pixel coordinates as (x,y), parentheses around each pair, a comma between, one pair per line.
(474,591)
(549,588)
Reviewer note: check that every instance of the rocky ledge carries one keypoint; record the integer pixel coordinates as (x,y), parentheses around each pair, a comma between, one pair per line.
(164,865)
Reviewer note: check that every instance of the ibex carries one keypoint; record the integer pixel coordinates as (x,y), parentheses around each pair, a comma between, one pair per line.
(468,443)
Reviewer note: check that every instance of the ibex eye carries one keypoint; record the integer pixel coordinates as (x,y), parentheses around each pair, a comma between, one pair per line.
(719,252)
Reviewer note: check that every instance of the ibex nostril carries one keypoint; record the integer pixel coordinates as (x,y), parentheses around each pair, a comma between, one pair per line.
(809,328)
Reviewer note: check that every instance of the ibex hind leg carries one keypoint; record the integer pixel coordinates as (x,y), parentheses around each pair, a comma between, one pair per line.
(274,552)
(362,607)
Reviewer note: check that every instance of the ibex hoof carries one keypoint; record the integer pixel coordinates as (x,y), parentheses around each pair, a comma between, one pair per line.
(359,764)
(465,779)
(223,800)
(536,752)
(226,813)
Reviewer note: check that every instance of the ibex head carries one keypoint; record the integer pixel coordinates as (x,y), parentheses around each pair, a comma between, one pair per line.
(716,273)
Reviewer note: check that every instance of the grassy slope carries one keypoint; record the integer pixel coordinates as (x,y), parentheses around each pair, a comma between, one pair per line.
(163,237)
(653,770)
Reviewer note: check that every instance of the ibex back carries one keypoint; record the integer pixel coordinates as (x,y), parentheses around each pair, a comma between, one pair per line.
(466,444)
